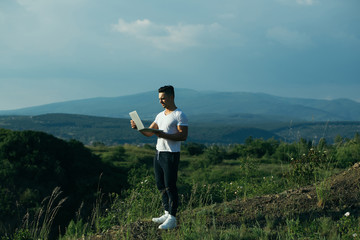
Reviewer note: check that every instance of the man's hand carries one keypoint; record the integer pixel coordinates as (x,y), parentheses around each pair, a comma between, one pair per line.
(159,134)
(133,125)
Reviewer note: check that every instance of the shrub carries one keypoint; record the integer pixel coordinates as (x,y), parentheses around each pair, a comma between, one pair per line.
(348,154)
(214,154)
(194,149)
(306,168)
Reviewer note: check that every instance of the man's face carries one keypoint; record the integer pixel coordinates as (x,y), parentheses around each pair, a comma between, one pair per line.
(164,99)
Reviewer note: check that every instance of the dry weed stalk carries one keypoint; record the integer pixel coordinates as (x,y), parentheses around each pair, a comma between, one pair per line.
(40,228)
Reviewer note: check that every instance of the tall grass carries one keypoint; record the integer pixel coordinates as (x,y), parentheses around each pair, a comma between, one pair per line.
(39,225)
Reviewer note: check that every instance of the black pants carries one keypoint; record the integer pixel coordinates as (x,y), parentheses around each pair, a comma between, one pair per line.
(166,165)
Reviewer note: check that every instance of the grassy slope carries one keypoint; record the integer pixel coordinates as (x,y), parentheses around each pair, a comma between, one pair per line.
(297,203)
(342,194)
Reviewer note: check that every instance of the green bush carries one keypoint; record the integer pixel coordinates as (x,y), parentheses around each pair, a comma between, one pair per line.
(194,149)
(306,169)
(348,154)
(214,155)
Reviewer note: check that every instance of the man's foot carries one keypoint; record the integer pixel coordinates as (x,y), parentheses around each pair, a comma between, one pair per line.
(162,218)
(170,223)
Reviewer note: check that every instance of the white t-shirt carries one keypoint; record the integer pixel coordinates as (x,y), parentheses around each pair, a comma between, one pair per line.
(168,123)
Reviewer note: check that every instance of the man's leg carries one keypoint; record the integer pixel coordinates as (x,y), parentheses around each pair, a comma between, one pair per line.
(170,163)
(160,182)
(170,166)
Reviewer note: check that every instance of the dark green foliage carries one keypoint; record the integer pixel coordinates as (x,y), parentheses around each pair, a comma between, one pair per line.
(194,149)
(214,155)
(32,164)
(284,152)
(303,169)
(258,147)
(348,152)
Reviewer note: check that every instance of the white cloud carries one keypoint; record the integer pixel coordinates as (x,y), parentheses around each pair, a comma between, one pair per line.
(169,37)
(288,37)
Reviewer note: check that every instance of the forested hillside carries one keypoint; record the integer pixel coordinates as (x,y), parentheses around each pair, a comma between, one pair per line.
(109,131)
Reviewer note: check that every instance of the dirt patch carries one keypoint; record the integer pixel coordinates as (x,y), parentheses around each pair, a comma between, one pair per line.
(343,195)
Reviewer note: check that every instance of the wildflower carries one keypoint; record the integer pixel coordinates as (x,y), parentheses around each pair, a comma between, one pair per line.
(264,178)
(230,183)
(354,235)
(235,193)
(347,214)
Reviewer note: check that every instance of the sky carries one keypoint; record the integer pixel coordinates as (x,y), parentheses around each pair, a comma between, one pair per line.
(61,50)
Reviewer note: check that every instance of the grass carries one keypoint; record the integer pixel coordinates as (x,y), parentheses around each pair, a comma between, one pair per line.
(323,192)
(39,226)
(198,220)
(202,188)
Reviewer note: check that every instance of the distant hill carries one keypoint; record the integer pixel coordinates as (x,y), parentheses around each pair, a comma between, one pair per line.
(111,131)
(227,107)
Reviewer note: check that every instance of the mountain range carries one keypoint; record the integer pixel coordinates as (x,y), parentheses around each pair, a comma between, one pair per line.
(205,107)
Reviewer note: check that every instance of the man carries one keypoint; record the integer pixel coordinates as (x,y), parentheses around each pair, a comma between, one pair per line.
(174,125)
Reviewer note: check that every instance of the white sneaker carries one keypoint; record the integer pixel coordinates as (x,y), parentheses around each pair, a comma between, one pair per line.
(162,218)
(170,223)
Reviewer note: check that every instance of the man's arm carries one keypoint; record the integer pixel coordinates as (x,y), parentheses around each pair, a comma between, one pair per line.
(181,135)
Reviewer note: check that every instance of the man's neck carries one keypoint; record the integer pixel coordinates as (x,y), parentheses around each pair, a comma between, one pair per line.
(170,109)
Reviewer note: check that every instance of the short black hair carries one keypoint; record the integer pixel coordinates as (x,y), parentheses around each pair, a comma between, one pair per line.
(168,90)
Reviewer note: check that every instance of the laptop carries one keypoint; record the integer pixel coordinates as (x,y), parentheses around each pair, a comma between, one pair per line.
(140,126)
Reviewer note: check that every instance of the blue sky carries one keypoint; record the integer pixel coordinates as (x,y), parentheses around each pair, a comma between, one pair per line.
(62,50)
